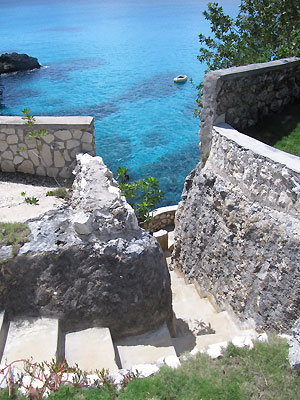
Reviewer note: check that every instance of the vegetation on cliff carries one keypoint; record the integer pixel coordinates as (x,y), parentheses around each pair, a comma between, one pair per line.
(264,30)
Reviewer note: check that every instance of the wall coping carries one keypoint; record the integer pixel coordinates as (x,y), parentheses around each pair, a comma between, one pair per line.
(44,120)
(254,69)
(279,156)
(163,210)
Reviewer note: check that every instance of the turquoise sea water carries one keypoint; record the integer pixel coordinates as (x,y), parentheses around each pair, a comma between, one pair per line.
(114,60)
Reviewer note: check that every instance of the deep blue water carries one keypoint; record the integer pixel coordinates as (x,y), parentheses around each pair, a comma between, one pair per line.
(114,60)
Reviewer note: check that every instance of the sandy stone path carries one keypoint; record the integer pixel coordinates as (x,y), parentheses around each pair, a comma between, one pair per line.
(13,207)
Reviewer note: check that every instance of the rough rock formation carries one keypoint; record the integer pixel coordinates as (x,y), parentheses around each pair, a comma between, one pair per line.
(294,343)
(238,232)
(17,62)
(90,263)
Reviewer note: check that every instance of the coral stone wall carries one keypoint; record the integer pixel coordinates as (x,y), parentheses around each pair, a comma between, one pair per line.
(242,96)
(237,231)
(162,217)
(53,155)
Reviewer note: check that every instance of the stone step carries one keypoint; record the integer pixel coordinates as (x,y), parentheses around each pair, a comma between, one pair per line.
(190,342)
(171,241)
(202,342)
(4,326)
(146,348)
(187,304)
(91,349)
(35,338)
(223,323)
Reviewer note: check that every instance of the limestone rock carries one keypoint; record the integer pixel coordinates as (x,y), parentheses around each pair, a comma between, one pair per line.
(116,276)
(216,350)
(294,343)
(12,139)
(172,362)
(26,167)
(3,145)
(243,341)
(7,155)
(87,137)
(71,144)
(5,252)
(7,166)
(145,370)
(63,135)
(46,155)
(59,161)
(17,62)
(83,223)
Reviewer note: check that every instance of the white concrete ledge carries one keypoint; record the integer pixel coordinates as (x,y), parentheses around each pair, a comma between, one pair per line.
(279,156)
(164,210)
(253,69)
(73,120)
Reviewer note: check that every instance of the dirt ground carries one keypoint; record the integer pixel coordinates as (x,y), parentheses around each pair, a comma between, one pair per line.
(13,207)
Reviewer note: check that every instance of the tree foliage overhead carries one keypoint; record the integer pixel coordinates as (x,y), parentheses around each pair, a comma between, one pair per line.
(263,30)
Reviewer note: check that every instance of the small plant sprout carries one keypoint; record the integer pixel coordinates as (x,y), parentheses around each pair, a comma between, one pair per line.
(30,200)
(32,134)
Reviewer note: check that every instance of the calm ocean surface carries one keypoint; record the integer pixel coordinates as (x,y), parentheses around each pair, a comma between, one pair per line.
(114,60)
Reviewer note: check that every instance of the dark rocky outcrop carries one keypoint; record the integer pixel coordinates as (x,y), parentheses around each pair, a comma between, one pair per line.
(90,263)
(14,62)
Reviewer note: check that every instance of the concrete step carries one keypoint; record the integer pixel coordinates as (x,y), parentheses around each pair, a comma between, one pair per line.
(146,348)
(91,349)
(222,322)
(35,338)
(187,304)
(202,342)
(198,323)
(171,241)
(4,326)
(188,341)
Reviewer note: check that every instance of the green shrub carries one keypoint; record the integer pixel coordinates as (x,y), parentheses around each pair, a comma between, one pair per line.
(142,195)
(61,193)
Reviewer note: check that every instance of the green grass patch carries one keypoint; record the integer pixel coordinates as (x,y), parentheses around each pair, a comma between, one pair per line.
(242,374)
(61,193)
(290,143)
(260,373)
(4,395)
(13,234)
(281,130)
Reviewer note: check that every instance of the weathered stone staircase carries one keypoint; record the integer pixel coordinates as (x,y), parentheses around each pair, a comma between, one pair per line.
(198,326)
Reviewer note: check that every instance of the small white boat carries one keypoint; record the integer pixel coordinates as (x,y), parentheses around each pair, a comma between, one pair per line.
(180,78)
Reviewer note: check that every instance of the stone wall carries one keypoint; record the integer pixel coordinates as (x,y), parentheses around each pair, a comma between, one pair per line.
(242,96)
(54,154)
(237,230)
(162,217)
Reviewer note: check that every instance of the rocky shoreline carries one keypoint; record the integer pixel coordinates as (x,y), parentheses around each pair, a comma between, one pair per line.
(15,62)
